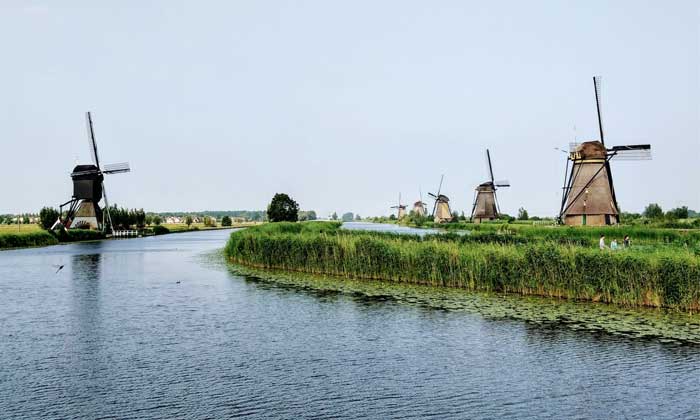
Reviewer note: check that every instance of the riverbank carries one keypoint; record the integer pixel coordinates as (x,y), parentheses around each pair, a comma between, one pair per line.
(32,236)
(663,276)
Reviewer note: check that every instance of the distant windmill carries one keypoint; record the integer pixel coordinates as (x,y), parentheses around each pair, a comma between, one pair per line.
(419,207)
(88,189)
(401,208)
(588,195)
(441,208)
(485,201)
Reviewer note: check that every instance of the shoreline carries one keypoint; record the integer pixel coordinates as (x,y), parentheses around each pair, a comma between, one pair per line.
(52,240)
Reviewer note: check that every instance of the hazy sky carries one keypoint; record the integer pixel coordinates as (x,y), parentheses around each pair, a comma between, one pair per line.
(218,105)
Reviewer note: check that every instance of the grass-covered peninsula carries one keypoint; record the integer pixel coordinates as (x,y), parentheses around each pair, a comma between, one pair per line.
(662,270)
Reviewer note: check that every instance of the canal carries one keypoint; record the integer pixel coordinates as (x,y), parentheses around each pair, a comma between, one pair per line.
(159,327)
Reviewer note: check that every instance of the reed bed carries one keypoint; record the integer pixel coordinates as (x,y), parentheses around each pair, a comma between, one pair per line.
(639,234)
(668,278)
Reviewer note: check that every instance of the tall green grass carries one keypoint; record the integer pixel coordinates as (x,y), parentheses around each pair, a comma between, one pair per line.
(25,240)
(669,278)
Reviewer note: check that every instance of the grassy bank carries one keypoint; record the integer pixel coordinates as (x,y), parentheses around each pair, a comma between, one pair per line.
(666,277)
(26,240)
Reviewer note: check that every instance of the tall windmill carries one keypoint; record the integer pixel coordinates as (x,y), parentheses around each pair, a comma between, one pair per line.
(485,201)
(588,194)
(88,189)
(419,207)
(401,208)
(441,208)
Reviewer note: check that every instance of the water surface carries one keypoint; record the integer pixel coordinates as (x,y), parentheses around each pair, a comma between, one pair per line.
(150,328)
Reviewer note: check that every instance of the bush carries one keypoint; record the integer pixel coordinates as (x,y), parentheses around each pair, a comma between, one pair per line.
(22,240)
(75,235)
(160,230)
(226,221)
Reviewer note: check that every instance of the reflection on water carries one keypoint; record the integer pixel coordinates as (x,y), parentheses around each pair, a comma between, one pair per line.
(144,328)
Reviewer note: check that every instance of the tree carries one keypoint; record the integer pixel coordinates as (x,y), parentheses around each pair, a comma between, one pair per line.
(653,211)
(157,220)
(188,220)
(25,219)
(226,221)
(334,216)
(392,216)
(347,217)
(47,217)
(522,214)
(678,213)
(283,209)
(357,218)
(139,218)
(149,220)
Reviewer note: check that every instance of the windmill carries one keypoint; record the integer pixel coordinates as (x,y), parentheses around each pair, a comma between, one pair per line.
(441,208)
(485,201)
(88,189)
(588,194)
(401,208)
(419,207)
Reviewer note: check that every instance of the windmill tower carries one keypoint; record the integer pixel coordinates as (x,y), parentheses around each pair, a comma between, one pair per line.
(441,208)
(485,201)
(588,195)
(419,207)
(88,189)
(401,208)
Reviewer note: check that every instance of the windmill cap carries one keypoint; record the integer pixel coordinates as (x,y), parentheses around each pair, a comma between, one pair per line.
(591,150)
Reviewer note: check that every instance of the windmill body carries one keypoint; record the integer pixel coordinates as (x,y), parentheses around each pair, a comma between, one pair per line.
(590,199)
(401,209)
(441,208)
(442,212)
(419,208)
(588,196)
(485,201)
(83,209)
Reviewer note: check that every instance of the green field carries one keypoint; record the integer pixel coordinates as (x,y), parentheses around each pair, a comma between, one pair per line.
(663,270)
(28,228)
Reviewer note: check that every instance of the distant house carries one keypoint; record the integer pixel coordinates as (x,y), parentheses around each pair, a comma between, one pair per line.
(171,220)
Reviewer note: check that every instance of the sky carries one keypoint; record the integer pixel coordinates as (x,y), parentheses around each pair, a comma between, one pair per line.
(218,105)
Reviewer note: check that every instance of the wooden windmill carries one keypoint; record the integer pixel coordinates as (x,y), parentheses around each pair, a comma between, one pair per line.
(588,195)
(441,208)
(419,207)
(401,208)
(485,201)
(88,190)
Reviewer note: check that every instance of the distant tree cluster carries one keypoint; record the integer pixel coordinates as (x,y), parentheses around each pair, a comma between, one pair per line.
(226,221)
(127,218)
(307,215)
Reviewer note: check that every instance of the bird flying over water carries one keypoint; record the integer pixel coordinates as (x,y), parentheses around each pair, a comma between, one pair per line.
(59,267)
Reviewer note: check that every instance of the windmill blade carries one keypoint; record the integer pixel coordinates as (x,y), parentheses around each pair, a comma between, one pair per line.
(91,139)
(432,195)
(631,152)
(442,177)
(502,183)
(597,86)
(109,216)
(117,168)
(488,164)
